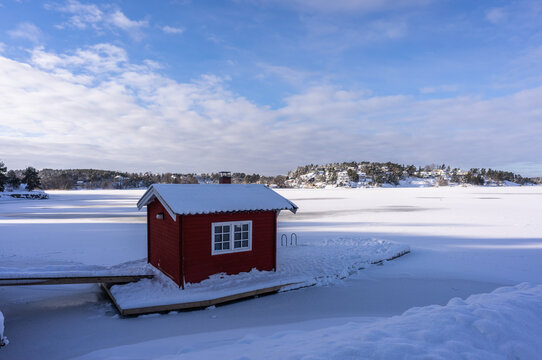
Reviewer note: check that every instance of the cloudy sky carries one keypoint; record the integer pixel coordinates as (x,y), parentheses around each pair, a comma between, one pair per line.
(266,85)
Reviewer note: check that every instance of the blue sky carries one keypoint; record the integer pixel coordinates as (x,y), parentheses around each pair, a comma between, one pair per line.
(264,86)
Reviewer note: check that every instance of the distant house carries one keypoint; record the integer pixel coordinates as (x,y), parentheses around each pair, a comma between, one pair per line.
(119,181)
(425,174)
(292,182)
(343,178)
(308,177)
(197,230)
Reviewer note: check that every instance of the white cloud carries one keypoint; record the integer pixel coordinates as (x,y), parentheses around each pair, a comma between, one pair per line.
(438,89)
(352,6)
(83,16)
(287,74)
(172,30)
(496,15)
(96,59)
(131,117)
(118,19)
(26,31)
(327,34)
(385,30)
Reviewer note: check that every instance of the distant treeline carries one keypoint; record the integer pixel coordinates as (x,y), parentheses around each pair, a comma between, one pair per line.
(106,179)
(377,173)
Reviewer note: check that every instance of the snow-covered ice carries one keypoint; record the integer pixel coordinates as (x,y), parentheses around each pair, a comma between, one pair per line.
(464,241)
(97,227)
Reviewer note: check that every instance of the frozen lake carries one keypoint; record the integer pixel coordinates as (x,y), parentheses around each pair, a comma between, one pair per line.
(464,240)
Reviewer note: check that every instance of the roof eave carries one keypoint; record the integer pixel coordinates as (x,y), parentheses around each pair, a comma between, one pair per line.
(144,200)
(292,209)
(147,198)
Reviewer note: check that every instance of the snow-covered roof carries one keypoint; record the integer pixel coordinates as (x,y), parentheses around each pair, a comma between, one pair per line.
(186,199)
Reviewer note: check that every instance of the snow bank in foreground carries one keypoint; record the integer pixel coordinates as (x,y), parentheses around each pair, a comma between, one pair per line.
(304,265)
(504,324)
(3,339)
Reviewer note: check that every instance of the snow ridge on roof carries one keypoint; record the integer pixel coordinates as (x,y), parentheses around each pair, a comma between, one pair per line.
(191,199)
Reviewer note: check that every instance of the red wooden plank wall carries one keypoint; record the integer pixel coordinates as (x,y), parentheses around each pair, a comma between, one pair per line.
(163,241)
(198,263)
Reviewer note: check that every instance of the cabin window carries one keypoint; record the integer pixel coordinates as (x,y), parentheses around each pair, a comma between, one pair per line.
(230,237)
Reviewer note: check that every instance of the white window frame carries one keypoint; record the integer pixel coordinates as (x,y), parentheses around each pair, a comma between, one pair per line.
(231,225)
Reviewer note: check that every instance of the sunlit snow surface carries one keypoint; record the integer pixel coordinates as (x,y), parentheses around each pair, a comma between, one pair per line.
(463,240)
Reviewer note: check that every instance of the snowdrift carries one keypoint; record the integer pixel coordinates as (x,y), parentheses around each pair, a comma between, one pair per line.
(3,339)
(504,324)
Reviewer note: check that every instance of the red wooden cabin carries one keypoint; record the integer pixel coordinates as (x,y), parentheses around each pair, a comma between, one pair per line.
(196,230)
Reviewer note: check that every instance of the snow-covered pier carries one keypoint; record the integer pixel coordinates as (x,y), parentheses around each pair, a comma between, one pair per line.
(63,280)
(75,274)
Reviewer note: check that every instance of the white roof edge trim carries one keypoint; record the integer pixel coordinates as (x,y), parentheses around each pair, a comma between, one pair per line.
(294,206)
(143,200)
(147,198)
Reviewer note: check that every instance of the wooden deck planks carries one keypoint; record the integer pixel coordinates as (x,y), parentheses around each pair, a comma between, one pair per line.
(193,304)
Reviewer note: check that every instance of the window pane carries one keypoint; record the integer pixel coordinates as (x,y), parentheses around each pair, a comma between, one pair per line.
(232,236)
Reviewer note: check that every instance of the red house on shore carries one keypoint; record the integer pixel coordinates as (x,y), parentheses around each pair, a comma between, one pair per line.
(196,230)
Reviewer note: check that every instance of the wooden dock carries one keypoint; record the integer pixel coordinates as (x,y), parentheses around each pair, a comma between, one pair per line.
(107,281)
(62,280)
(191,304)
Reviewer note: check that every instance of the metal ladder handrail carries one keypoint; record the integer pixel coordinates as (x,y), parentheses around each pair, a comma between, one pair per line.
(292,238)
(284,239)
